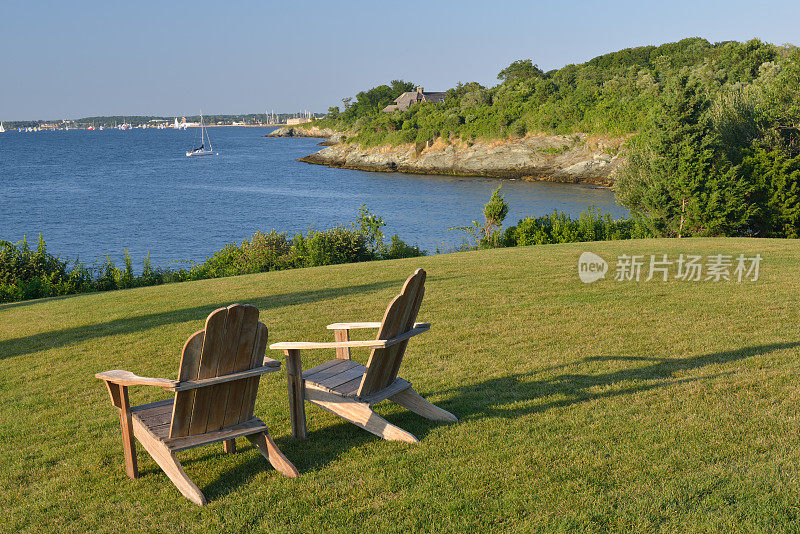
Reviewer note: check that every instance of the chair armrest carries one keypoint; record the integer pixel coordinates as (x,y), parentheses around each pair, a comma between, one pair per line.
(419,328)
(126,378)
(354,326)
(298,345)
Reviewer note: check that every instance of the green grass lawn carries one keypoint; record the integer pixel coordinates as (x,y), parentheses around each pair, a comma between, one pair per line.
(645,406)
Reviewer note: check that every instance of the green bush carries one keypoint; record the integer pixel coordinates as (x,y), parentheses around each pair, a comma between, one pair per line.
(29,274)
(591,225)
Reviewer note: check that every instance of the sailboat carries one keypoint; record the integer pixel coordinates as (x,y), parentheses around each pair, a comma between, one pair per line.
(202,150)
(1,128)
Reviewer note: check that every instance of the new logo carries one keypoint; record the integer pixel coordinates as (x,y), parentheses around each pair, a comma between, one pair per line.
(591,267)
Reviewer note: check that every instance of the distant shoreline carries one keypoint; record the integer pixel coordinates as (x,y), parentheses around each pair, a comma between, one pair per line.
(241,125)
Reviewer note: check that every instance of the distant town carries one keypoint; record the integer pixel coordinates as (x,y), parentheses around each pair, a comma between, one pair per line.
(270,118)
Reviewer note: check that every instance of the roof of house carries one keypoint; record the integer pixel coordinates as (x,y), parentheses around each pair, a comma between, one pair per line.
(403,101)
(434,96)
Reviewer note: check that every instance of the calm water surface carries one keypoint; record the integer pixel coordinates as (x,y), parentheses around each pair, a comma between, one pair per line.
(93,193)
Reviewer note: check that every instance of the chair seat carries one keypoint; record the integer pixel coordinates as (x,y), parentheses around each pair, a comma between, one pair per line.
(337,376)
(157,416)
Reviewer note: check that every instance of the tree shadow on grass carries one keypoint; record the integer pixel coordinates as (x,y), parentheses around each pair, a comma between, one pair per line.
(10,348)
(522,394)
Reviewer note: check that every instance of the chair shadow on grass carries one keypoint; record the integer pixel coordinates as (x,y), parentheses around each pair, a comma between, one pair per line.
(321,447)
(506,397)
(517,395)
(58,338)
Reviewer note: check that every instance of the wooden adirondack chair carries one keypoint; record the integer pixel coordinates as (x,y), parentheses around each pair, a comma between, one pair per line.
(350,389)
(214,398)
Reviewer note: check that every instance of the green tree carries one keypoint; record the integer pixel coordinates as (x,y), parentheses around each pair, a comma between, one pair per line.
(519,70)
(677,178)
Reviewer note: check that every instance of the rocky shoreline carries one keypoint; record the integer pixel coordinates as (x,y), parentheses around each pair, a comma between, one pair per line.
(331,136)
(556,158)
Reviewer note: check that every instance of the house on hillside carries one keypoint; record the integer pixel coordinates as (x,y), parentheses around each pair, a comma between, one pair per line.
(405,100)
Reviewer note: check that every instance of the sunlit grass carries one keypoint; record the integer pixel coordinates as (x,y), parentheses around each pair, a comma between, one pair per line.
(610,406)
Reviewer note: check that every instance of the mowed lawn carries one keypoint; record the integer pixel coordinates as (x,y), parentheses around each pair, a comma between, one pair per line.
(645,406)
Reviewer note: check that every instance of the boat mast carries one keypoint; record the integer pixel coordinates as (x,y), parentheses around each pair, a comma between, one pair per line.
(203,134)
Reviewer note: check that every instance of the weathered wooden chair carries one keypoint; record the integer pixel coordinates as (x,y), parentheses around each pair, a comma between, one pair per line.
(350,389)
(214,398)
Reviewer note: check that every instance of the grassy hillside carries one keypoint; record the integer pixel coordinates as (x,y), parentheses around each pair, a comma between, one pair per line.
(649,406)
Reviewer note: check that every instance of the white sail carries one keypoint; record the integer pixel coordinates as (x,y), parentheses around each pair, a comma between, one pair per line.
(1,128)
(202,150)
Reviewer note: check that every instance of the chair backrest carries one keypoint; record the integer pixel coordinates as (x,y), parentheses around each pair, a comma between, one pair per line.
(232,341)
(399,318)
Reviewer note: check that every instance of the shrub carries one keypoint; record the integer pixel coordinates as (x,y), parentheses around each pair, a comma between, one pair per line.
(28,274)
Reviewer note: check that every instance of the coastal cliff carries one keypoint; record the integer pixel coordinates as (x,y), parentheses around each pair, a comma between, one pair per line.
(557,158)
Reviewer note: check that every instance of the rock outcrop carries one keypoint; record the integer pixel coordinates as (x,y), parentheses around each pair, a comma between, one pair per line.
(332,136)
(560,158)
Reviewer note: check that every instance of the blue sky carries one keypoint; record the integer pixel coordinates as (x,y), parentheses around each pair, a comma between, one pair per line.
(74,59)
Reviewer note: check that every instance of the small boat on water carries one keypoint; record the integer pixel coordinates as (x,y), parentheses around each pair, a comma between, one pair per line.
(202,150)
(1,128)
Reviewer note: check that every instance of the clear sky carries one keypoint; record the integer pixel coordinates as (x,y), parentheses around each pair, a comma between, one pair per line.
(73,59)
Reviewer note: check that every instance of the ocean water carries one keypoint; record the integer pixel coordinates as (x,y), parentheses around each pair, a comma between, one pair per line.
(92,193)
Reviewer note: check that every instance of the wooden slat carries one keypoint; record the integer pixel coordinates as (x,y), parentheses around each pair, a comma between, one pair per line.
(399,350)
(212,347)
(353,326)
(302,345)
(251,384)
(320,367)
(339,367)
(348,389)
(395,387)
(126,378)
(150,405)
(243,361)
(190,364)
(161,431)
(365,344)
(159,413)
(227,360)
(331,382)
(252,426)
(206,382)
(398,320)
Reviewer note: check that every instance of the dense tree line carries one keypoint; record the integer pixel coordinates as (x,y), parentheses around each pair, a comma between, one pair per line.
(714,146)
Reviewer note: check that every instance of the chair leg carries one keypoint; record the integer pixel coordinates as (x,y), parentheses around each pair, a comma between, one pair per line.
(229,446)
(119,397)
(360,414)
(167,461)
(270,451)
(297,408)
(411,400)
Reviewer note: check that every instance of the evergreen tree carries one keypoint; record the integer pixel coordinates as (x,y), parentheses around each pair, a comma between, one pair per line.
(678,180)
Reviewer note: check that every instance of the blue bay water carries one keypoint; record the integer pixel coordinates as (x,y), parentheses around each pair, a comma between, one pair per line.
(92,193)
